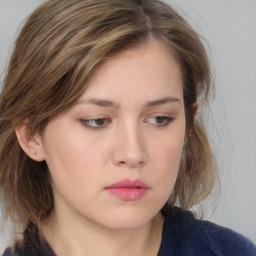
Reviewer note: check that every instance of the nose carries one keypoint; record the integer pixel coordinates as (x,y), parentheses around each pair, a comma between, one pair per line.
(130,150)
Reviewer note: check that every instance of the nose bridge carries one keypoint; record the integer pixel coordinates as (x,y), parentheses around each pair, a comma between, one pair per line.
(130,149)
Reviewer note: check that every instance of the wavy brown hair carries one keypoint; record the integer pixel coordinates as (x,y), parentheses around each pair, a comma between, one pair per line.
(59,48)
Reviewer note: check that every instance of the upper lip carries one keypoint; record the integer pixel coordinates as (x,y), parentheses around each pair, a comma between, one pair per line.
(129,184)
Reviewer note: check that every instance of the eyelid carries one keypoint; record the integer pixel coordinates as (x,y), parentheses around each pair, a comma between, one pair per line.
(91,122)
(86,122)
(167,120)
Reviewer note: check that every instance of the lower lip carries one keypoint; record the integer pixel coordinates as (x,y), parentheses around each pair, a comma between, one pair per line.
(128,194)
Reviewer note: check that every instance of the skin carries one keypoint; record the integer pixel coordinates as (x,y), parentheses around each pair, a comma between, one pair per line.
(130,135)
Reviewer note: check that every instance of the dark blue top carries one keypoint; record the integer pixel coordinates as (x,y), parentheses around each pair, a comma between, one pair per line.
(183,235)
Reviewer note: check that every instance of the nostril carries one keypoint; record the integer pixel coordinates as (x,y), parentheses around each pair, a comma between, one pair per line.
(131,163)
(141,163)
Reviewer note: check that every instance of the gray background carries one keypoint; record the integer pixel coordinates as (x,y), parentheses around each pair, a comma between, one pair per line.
(229,26)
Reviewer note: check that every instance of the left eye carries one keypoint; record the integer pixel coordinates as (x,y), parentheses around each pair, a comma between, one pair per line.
(95,123)
(160,120)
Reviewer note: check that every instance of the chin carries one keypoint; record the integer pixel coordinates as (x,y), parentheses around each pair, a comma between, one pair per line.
(129,220)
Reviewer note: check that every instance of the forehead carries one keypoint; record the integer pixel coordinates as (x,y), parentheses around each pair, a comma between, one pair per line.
(148,69)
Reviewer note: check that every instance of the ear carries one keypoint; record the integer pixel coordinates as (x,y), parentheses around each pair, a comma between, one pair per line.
(30,143)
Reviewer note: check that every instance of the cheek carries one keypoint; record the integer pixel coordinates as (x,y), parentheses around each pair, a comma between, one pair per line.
(168,153)
(70,150)
(167,161)
(71,170)
(75,164)
(164,171)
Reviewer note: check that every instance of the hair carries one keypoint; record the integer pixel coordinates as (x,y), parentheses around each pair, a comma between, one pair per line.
(60,47)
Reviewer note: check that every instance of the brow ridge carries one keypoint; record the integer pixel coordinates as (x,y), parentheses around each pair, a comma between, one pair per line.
(161,101)
(108,103)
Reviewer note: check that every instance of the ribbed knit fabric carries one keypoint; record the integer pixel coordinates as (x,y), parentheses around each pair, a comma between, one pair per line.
(183,235)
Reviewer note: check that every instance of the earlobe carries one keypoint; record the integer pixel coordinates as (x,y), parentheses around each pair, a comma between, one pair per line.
(31,144)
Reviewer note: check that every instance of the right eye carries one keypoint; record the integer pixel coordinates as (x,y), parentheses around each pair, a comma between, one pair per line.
(95,123)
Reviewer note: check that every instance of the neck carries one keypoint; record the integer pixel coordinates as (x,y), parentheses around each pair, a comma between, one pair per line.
(71,238)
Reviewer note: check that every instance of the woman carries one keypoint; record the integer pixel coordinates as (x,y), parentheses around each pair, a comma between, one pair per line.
(102,145)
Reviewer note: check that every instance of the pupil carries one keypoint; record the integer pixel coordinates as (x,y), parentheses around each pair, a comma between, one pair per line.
(159,119)
(100,122)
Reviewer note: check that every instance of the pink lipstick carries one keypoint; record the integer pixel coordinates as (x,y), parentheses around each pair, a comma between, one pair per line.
(128,190)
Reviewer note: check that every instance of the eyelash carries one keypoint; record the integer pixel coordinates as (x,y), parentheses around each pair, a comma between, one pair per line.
(165,121)
(86,123)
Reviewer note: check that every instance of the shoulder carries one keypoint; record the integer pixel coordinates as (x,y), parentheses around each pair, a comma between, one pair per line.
(15,252)
(190,236)
(30,250)
(32,244)
(11,252)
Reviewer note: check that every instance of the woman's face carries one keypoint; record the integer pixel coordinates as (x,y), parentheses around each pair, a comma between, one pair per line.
(114,157)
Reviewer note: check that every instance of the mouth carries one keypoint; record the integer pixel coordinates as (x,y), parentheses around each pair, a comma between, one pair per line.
(128,190)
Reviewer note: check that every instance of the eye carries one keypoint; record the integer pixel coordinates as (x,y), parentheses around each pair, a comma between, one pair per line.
(160,120)
(95,123)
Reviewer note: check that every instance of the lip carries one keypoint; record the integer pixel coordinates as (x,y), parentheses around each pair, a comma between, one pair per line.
(128,190)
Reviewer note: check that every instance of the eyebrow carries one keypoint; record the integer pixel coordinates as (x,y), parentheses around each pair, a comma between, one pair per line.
(107,103)
(99,102)
(161,101)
